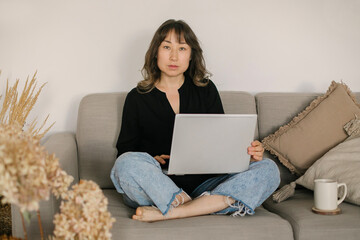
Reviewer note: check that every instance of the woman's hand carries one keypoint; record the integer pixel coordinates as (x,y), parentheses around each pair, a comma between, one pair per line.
(256,151)
(161,159)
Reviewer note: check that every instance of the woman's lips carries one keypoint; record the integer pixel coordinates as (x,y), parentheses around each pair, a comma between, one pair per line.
(173,66)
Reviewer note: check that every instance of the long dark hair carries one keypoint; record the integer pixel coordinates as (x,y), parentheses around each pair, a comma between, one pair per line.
(196,70)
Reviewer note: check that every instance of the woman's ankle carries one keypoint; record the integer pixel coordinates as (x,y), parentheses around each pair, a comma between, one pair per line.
(180,199)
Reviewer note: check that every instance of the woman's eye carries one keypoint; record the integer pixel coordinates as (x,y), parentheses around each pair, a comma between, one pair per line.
(166,47)
(182,49)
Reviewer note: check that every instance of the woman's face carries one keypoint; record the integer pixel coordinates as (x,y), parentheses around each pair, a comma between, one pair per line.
(173,56)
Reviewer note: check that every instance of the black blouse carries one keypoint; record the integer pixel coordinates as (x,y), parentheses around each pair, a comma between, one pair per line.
(148,122)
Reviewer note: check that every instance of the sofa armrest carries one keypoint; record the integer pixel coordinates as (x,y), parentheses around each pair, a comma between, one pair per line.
(65,148)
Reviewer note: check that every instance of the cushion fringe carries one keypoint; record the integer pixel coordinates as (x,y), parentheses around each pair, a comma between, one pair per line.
(284,192)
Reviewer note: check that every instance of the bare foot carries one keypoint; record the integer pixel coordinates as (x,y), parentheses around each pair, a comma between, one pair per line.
(197,207)
(149,214)
(152,214)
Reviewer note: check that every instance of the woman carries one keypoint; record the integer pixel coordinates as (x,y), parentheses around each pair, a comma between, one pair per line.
(176,82)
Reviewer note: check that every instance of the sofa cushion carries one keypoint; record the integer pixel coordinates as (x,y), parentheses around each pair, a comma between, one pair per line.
(308,225)
(239,103)
(315,130)
(342,163)
(277,109)
(98,127)
(259,226)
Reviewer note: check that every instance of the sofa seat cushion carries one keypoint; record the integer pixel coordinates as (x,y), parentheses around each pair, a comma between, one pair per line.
(308,225)
(262,225)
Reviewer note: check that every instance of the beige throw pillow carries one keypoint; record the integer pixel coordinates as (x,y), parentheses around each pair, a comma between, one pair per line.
(342,164)
(315,130)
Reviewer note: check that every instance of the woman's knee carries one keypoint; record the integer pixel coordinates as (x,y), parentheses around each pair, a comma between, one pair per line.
(267,168)
(134,163)
(127,163)
(272,170)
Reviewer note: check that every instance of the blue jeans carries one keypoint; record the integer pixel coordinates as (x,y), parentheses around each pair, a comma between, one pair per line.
(139,177)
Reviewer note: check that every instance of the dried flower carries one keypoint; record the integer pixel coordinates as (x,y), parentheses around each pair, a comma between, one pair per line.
(22,168)
(27,171)
(59,180)
(84,214)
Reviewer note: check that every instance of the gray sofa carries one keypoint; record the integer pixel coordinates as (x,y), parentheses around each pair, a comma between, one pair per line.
(90,153)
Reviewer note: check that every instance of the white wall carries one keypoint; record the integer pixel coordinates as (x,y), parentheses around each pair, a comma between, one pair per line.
(86,46)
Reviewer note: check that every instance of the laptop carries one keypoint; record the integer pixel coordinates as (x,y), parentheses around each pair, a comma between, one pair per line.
(211,143)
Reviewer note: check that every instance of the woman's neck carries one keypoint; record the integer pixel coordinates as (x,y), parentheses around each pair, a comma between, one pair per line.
(170,83)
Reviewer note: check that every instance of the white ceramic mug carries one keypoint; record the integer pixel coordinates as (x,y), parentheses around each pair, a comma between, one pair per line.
(326,194)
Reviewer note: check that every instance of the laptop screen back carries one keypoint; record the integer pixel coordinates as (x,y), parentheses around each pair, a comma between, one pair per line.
(211,143)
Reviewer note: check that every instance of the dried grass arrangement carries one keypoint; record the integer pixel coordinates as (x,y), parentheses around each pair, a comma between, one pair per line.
(29,174)
(27,171)
(16,109)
